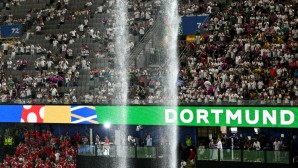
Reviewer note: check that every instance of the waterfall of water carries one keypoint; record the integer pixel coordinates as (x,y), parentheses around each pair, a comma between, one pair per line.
(121,48)
(169,38)
(171,21)
(121,56)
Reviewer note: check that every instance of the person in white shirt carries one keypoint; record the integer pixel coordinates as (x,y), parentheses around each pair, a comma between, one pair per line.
(13,54)
(151,21)
(5,47)
(38,49)
(257,145)
(57,156)
(81,28)
(38,29)
(55,43)
(219,146)
(99,9)
(73,34)
(54,92)
(209,9)
(142,32)
(86,22)
(276,148)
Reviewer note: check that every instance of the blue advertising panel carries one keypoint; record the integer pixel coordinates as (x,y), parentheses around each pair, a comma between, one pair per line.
(11,31)
(190,24)
(11,113)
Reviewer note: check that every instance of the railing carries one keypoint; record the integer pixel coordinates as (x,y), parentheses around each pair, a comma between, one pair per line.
(237,155)
(262,156)
(120,151)
(140,46)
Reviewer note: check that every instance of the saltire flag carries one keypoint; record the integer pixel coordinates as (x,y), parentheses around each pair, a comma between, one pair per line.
(83,115)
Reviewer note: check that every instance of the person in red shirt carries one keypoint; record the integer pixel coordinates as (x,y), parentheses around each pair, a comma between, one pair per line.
(14,164)
(47,166)
(28,157)
(52,155)
(293,64)
(24,149)
(35,154)
(47,135)
(77,137)
(64,163)
(29,164)
(273,72)
(70,153)
(18,150)
(67,142)
(43,136)
(48,149)
(192,157)
(15,158)
(32,135)
(37,135)
(59,165)
(7,158)
(38,164)
(62,145)
(26,136)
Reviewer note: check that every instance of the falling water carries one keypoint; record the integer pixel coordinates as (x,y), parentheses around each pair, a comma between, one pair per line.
(171,21)
(121,55)
(121,48)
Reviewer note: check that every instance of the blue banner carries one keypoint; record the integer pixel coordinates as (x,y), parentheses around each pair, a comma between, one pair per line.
(11,113)
(8,31)
(190,24)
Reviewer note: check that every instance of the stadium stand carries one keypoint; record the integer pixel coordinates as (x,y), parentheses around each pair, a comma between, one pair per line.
(49,21)
(246,56)
(53,37)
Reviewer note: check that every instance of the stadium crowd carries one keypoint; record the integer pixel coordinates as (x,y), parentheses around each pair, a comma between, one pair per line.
(247,54)
(61,69)
(40,148)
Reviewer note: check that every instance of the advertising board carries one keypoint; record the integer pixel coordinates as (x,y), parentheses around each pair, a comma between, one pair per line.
(235,116)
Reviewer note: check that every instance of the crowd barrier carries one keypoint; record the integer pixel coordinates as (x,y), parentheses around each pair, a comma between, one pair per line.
(237,155)
(222,155)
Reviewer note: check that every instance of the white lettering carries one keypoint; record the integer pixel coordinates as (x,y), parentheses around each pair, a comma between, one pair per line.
(268,117)
(256,118)
(230,115)
(170,116)
(182,116)
(216,112)
(15,30)
(202,115)
(283,114)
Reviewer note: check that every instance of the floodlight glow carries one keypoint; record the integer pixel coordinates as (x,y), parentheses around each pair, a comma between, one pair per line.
(107,125)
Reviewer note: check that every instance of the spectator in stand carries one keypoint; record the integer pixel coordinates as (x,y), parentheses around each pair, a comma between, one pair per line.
(57,156)
(192,157)
(277,147)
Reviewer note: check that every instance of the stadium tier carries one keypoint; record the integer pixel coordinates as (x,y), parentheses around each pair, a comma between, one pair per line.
(148,83)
